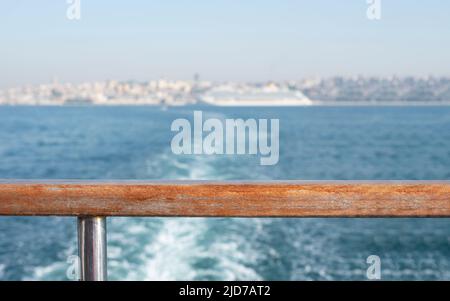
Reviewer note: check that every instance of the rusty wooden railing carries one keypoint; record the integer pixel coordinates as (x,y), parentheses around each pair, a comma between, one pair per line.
(93,201)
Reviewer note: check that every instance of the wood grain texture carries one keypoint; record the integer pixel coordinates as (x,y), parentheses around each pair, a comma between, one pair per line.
(227,199)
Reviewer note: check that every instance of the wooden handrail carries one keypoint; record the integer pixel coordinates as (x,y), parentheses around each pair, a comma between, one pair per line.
(226,199)
(92,201)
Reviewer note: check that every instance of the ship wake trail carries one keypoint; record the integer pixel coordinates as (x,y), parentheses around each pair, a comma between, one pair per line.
(180,248)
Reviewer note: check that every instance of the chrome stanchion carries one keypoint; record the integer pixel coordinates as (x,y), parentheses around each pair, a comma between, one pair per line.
(92,248)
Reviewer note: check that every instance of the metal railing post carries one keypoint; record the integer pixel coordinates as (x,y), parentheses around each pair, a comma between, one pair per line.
(92,248)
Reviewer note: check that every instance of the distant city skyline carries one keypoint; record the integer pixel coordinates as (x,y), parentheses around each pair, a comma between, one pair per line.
(220,40)
(175,93)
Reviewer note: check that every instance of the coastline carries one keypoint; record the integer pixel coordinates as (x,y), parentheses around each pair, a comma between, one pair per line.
(246,104)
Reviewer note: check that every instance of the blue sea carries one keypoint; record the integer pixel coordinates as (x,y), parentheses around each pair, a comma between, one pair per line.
(316,143)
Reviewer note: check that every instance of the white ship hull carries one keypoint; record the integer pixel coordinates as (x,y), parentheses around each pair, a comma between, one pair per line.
(257,103)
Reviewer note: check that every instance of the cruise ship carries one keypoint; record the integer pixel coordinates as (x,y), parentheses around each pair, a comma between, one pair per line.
(268,95)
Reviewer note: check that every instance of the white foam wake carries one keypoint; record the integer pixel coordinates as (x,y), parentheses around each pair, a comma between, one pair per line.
(182,246)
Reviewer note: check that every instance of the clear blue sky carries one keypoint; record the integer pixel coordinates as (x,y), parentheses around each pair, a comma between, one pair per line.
(221,40)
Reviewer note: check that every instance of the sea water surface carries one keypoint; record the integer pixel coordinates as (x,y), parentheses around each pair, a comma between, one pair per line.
(316,143)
